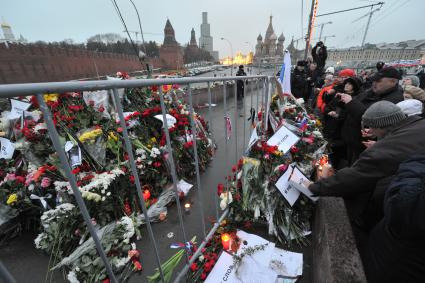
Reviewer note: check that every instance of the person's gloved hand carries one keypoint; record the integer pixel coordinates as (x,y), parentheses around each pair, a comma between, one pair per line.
(314,188)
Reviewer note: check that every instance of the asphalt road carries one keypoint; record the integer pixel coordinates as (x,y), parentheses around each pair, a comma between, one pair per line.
(28,264)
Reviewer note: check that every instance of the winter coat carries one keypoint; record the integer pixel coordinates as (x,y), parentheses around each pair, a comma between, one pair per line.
(377,162)
(357,107)
(239,73)
(299,84)
(319,56)
(396,248)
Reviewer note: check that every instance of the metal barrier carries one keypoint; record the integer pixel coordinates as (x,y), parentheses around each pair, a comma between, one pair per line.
(259,86)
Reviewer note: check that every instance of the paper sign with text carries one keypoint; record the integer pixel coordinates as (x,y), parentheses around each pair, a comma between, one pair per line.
(284,139)
(18,107)
(170,119)
(7,148)
(290,193)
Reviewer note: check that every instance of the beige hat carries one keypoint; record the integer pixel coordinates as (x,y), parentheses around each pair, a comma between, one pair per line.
(415,92)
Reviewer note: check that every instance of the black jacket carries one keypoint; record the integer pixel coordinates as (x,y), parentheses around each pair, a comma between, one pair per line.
(396,251)
(357,107)
(299,84)
(371,171)
(319,57)
(239,73)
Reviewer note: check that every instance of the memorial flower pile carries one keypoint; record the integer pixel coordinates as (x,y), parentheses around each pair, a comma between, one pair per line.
(33,183)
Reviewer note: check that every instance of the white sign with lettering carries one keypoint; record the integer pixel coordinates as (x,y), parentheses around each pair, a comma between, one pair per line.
(18,107)
(262,266)
(170,119)
(284,139)
(290,193)
(301,183)
(7,148)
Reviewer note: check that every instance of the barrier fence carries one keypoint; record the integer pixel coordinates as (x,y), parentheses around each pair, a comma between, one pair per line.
(258,88)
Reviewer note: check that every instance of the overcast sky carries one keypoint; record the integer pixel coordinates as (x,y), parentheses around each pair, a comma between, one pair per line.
(240,21)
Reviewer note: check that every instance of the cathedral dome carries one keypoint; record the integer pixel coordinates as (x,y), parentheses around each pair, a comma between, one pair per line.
(281,37)
(273,37)
(259,38)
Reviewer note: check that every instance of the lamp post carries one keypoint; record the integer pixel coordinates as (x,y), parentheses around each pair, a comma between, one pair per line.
(143,39)
(252,46)
(321,29)
(231,50)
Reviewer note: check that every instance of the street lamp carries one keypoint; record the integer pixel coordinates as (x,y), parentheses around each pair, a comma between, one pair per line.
(321,28)
(231,50)
(141,33)
(252,46)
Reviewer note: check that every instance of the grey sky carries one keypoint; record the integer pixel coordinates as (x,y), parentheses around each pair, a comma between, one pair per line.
(239,21)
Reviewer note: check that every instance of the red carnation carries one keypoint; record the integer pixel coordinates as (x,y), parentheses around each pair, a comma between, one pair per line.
(76,170)
(157,164)
(194,267)
(220,189)
(234,168)
(188,144)
(203,276)
(132,179)
(137,265)
(101,109)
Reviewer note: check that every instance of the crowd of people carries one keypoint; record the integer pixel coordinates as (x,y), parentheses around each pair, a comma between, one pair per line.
(374,124)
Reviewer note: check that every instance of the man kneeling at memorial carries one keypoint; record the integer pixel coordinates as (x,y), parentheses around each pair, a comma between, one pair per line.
(365,182)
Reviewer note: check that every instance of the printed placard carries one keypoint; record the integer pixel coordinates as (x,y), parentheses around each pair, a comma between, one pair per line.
(284,139)
(7,148)
(290,193)
(170,119)
(18,107)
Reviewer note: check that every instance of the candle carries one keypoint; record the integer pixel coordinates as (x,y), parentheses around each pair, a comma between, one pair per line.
(187,207)
(225,241)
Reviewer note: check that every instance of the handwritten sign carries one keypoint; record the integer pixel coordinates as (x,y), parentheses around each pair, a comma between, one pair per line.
(7,148)
(263,266)
(290,193)
(301,182)
(18,107)
(170,119)
(284,139)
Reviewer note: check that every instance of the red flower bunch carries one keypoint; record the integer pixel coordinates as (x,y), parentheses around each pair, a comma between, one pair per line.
(132,116)
(188,144)
(220,189)
(75,108)
(157,164)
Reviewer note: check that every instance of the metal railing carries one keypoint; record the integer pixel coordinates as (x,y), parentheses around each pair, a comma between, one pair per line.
(259,89)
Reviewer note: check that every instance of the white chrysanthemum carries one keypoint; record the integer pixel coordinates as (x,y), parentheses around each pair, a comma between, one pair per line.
(129,227)
(226,198)
(103,180)
(38,240)
(72,277)
(120,262)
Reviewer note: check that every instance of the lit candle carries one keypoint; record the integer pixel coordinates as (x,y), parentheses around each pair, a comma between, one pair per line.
(187,207)
(225,241)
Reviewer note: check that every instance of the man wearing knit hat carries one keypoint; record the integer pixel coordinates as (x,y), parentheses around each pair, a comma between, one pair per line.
(364,183)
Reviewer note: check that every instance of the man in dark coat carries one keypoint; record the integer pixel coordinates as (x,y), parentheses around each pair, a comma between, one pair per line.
(240,85)
(319,54)
(396,246)
(364,183)
(385,87)
(299,83)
